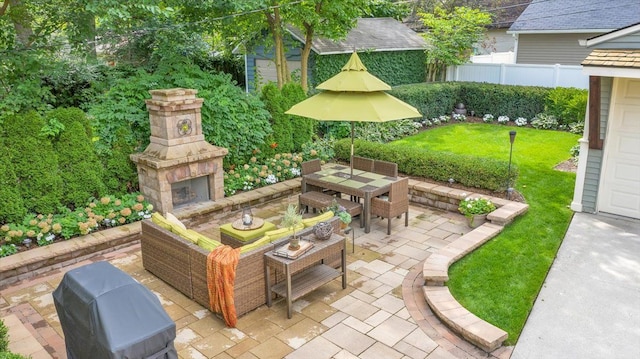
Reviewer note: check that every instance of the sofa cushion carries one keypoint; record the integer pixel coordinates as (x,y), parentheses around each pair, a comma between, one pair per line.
(282,232)
(206,242)
(310,222)
(174,220)
(257,244)
(246,235)
(158,219)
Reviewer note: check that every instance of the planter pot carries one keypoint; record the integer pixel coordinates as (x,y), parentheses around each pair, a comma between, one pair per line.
(294,243)
(476,220)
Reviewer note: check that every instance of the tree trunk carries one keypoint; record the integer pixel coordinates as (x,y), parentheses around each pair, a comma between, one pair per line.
(21,22)
(273,19)
(304,61)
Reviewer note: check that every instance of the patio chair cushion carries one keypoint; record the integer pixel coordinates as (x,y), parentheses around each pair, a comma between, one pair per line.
(310,222)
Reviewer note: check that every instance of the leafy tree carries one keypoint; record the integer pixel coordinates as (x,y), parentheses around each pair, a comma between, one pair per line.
(289,132)
(451,36)
(330,19)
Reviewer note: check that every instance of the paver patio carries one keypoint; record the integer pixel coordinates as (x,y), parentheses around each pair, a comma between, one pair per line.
(381,314)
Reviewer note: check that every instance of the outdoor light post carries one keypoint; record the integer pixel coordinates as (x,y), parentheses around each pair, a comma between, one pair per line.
(512,137)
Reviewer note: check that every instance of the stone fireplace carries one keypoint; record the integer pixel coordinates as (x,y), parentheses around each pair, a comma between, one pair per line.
(178,167)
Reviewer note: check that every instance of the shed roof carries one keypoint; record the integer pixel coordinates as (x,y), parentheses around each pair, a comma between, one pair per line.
(372,34)
(613,58)
(576,16)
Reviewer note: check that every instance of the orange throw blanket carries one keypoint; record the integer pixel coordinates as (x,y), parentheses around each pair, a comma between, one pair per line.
(221,275)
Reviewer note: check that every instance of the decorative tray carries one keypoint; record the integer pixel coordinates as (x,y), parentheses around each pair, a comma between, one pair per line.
(284,251)
(257,223)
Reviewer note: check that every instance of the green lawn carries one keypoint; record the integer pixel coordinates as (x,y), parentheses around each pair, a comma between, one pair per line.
(500,281)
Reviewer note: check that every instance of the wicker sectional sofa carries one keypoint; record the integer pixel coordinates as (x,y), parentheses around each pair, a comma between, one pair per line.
(183,265)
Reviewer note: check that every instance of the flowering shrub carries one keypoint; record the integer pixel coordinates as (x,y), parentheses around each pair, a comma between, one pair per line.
(503,120)
(576,127)
(459,117)
(471,206)
(487,117)
(281,167)
(521,121)
(105,212)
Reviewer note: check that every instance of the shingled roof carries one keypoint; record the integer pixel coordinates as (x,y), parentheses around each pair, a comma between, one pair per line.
(576,16)
(371,34)
(613,58)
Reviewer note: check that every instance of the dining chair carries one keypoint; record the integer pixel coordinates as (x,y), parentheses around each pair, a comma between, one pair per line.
(311,166)
(395,205)
(385,168)
(362,163)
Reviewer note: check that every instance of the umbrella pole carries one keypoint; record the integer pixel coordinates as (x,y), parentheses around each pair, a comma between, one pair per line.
(351,158)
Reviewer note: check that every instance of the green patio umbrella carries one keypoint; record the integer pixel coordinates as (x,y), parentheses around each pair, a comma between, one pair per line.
(354,95)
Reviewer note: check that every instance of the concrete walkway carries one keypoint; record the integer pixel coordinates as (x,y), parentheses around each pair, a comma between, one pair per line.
(589,305)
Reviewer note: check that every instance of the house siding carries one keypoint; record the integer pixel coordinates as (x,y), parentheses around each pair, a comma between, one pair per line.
(594,159)
(550,49)
(631,41)
(262,53)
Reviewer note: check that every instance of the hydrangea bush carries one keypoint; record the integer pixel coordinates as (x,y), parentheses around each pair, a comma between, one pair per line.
(503,120)
(487,118)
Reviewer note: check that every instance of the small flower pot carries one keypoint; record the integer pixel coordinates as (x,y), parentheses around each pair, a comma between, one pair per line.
(294,243)
(476,220)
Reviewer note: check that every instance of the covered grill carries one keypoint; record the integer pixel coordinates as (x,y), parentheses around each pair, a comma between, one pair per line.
(105,313)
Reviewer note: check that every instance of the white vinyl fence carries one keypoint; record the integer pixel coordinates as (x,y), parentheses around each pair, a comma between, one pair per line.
(508,57)
(521,74)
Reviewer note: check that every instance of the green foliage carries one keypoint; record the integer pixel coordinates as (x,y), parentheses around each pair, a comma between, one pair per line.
(78,164)
(7,250)
(35,162)
(106,212)
(503,100)
(451,36)
(120,173)
(567,104)
(11,204)
(431,99)
(9,355)
(393,67)
(70,82)
(545,122)
(4,337)
(21,88)
(385,8)
(383,132)
(436,99)
(470,171)
(289,132)
(230,118)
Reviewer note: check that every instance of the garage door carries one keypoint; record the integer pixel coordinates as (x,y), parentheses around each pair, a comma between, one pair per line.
(620,187)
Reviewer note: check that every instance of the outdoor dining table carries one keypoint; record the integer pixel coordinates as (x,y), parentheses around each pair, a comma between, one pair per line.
(362,184)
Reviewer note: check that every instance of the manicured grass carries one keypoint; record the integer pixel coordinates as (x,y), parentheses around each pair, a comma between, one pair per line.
(500,281)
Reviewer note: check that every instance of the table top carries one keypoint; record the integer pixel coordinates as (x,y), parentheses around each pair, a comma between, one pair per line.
(340,176)
(314,254)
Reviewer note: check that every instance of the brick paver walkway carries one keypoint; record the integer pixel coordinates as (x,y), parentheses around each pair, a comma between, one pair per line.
(382,313)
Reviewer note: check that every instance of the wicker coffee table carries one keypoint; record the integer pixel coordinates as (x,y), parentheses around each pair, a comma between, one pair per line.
(306,272)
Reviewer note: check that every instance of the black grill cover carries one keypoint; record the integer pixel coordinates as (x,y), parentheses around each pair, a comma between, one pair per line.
(105,313)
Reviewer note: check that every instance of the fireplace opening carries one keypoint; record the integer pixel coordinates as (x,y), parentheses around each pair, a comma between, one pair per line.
(190,191)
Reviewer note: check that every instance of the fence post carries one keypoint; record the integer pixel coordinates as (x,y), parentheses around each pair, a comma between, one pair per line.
(556,75)
(503,74)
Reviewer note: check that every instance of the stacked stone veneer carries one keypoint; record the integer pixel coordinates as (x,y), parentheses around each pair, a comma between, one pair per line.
(177,149)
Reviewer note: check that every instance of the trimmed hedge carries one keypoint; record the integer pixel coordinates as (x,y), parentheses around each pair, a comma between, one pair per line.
(470,171)
(435,99)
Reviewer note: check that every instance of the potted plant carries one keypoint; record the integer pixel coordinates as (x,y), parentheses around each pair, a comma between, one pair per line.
(292,219)
(476,210)
(340,212)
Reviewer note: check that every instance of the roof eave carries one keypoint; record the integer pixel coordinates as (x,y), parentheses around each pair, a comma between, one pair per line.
(565,31)
(611,35)
(609,71)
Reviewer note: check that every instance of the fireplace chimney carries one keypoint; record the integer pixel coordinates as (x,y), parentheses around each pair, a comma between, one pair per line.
(178,167)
